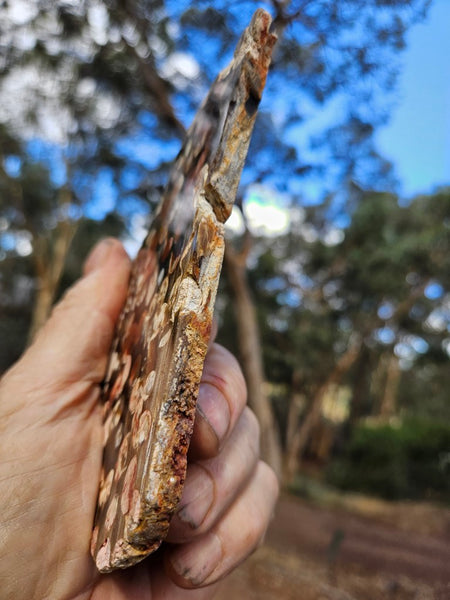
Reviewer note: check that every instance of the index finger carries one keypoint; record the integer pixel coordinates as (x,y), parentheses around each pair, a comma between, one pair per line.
(221,400)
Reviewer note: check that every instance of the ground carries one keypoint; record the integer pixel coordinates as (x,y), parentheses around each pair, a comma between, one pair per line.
(357,549)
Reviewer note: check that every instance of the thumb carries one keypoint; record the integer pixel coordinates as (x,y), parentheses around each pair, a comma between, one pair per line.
(73,345)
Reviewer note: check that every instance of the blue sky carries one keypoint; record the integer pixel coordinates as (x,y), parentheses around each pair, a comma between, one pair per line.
(417,138)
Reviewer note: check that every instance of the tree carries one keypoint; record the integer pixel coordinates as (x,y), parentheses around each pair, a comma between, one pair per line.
(99,94)
(363,306)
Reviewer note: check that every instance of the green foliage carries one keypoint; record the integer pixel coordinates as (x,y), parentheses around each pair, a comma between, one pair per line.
(94,92)
(423,390)
(17,284)
(409,460)
(313,297)
(92,76)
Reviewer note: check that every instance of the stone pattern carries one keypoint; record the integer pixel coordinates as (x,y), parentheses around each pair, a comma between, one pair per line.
(157,356)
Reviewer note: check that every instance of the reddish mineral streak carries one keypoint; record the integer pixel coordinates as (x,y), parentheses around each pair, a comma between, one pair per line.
(162,335)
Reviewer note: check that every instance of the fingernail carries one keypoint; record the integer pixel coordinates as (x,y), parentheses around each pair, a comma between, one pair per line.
(98,255)
(197,560)
(198,496)
(214,409)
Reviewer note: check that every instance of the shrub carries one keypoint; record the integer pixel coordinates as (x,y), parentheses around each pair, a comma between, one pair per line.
(409,461)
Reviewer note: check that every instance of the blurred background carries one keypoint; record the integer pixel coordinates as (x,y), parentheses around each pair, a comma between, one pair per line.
(335,291)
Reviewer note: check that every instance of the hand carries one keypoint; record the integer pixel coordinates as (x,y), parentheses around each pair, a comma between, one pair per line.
(50,460)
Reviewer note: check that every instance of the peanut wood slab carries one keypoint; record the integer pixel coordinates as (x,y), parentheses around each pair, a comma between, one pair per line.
(157,356)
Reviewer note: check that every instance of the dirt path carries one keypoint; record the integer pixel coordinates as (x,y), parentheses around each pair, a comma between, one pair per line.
(347,538)
(313,553)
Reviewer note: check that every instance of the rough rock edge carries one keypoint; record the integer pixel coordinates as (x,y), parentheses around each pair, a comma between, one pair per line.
(207,170)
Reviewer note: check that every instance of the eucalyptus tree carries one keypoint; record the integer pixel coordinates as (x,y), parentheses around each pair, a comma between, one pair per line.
(96,95)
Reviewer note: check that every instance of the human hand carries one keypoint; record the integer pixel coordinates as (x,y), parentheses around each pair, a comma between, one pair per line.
(51,451)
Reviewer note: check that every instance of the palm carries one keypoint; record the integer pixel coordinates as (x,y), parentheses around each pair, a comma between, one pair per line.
(67,444)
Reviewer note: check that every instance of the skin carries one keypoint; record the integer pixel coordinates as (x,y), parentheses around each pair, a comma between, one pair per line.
(50,459)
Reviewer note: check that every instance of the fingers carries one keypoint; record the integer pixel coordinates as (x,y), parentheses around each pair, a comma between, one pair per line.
(222,397)
(214,554)
(163,587)
(74,343)
(213,334)
(145,581)
(212,485)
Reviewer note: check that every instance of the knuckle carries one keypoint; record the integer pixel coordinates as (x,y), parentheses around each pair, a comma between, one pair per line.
(235,377)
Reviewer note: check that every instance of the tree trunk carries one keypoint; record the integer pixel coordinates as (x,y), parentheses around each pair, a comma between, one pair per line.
(388,403)
(42,304)
(296,407)
(250,354)
(360,392)
(303,433)
(49,254)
